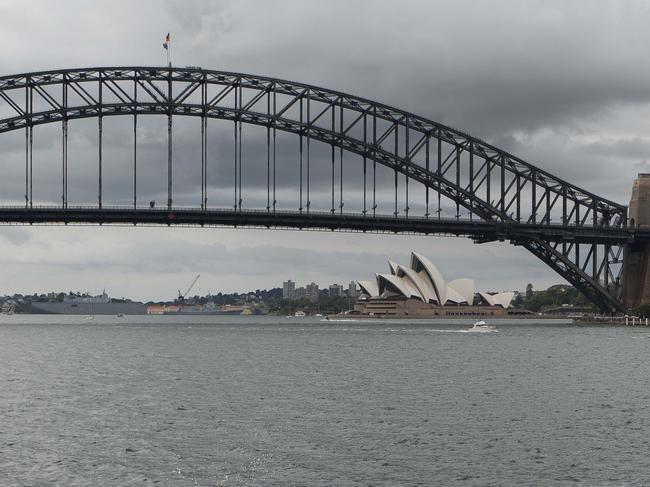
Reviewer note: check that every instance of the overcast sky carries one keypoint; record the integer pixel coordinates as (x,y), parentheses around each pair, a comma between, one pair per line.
(564,85)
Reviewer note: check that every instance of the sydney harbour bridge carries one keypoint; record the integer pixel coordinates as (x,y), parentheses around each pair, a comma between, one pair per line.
(386,170)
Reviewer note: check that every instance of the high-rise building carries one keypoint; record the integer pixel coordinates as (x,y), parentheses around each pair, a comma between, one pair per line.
(312,292)
(336,290)
(352,290)
(288,290)
(300,293)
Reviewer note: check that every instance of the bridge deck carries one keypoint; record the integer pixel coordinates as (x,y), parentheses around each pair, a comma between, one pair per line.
(479,229)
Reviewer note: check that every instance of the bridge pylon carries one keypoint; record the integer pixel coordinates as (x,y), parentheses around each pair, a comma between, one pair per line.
(636,274)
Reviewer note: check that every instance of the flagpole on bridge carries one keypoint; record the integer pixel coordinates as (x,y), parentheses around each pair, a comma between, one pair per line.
(167,45)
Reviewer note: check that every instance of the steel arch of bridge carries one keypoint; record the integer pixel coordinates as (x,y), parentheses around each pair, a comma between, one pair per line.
(577,233)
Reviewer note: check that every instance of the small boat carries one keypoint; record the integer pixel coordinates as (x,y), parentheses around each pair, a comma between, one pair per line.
(300,313)
(482,326)
(120,315)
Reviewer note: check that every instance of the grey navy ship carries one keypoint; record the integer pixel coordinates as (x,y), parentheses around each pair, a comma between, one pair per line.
(86,305)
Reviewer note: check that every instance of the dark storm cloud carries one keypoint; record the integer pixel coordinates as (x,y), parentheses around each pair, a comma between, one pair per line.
(509,67)
(635,148)
(560,84)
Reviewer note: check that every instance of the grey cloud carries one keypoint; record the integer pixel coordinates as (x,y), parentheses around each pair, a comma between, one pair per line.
(635,148)
(16,235)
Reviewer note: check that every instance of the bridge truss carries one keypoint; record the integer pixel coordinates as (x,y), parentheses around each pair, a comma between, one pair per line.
(467,186)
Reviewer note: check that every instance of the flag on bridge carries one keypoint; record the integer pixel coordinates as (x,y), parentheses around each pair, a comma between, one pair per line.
(168,47)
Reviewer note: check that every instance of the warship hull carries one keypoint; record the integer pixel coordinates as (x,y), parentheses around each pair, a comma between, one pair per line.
(67,308)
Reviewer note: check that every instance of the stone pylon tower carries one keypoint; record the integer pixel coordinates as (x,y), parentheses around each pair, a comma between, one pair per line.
(636,277)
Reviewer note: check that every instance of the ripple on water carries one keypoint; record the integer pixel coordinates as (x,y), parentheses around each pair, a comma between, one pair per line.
(271,402)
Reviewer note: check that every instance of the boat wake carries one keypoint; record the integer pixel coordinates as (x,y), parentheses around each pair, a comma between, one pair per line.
(340,320)
(436,330)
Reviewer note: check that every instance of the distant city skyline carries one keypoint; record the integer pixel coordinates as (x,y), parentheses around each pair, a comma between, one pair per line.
(288,289)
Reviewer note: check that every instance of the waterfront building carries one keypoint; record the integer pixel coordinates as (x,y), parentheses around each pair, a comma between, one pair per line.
(288,290)
(420,290)
(335,290)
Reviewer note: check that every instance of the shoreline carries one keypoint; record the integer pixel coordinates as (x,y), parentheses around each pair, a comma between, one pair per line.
(342,316)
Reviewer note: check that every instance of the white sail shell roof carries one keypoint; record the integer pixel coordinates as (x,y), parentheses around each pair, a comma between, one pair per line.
(504,299)
(424,286)
(464,288)
(422,265)
(454,296)
(499,299)
(393,267)
(369,287)
(487,298)
(397,284)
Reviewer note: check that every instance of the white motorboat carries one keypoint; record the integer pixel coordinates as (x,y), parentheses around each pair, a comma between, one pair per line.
(300,313)
(482,326)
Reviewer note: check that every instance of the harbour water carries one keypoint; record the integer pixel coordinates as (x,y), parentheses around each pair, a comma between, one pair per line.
(208,401)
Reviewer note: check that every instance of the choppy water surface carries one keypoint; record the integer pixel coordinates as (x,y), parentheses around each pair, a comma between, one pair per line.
(261,401)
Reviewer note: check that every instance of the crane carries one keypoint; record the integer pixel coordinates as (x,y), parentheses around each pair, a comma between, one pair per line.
(181,296)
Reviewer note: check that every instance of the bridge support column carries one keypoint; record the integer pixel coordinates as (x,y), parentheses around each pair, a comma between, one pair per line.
(636,259)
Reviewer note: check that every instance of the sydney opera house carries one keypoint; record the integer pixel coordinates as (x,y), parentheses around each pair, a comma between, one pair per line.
(420,290)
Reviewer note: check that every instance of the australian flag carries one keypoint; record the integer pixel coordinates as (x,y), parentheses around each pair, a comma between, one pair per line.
(168,40)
